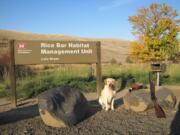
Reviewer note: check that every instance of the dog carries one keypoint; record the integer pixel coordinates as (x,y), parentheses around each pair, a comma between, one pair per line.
(106,99)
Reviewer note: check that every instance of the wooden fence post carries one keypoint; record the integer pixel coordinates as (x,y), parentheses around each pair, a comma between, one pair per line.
(12,75)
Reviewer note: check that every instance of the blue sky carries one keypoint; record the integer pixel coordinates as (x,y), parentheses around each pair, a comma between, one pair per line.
(85,18)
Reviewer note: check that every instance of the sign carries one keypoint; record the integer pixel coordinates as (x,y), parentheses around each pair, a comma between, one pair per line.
(54,52)
(4,52)
(16,52)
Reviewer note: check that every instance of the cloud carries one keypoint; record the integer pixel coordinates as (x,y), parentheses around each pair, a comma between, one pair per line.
(115,4)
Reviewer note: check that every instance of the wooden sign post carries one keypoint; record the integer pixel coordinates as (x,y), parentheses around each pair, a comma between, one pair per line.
(12,75)
(26,52)
(98,70)
(7,58)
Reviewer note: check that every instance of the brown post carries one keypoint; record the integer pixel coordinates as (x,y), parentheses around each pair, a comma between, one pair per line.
(98,69)
(12,75)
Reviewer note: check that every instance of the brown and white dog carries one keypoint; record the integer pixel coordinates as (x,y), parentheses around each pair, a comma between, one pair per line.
(106,98)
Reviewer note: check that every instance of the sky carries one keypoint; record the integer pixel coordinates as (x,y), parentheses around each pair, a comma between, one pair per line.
(83,18)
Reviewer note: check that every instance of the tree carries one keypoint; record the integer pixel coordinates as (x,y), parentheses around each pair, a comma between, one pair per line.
(157,29)
(136,51)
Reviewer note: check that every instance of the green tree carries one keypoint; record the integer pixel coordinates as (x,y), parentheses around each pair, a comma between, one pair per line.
(157,29)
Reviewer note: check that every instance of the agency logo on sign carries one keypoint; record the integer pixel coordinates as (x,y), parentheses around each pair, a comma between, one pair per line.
(23,49)
(21,46)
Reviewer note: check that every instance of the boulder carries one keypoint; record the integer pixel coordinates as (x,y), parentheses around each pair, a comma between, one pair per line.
(62,107)
(140,100)
(166,98)
(137,101)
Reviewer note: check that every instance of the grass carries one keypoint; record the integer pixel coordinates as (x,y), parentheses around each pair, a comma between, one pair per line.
(172,75)
(31,83)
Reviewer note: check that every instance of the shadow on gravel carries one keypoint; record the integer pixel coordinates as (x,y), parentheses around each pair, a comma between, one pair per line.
(18,114)
(175,125)
(95,107)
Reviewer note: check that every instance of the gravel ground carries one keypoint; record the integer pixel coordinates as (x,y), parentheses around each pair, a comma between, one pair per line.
(115,122)
(25,120)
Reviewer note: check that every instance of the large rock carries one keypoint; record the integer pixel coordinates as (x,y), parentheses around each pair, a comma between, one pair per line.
(61,107)
(140,100)
(166,98)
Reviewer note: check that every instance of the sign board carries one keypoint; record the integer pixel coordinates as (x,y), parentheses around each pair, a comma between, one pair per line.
(4,52)
(54,52)
(16,52)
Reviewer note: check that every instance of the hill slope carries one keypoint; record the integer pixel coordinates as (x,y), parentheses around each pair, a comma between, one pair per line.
(111,48)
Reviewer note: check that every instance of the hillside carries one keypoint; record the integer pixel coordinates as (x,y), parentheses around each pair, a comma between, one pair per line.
(111,48)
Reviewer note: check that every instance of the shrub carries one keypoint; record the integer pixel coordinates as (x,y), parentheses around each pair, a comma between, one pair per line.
(128,60)
(113,61)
